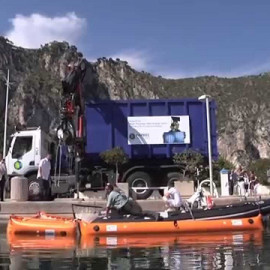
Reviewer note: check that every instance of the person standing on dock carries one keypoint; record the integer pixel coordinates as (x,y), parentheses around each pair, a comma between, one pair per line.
(3,172)
(44,171)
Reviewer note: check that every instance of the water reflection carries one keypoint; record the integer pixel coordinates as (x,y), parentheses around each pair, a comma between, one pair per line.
(242,250)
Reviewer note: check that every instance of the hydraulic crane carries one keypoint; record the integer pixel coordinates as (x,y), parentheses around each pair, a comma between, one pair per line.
(70,132)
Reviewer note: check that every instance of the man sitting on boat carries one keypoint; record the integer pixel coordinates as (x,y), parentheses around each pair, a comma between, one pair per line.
(124,205)
(172,198)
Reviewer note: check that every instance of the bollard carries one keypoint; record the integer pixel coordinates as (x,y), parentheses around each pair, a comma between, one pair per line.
(225,183)
(19,188)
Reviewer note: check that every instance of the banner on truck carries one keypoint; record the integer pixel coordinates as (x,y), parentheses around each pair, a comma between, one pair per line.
(158,130)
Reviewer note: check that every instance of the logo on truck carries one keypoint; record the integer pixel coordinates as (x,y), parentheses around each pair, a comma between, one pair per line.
(17,165)
(132,136)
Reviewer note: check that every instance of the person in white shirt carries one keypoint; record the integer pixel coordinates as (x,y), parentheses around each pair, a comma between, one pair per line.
(3,171)
(44,170)
(172,198)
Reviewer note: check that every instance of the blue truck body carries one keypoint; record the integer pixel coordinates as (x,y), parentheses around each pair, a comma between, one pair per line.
(107,127)
(149,131)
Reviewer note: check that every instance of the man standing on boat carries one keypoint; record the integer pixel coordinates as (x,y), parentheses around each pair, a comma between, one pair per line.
(125,205)
(44,171)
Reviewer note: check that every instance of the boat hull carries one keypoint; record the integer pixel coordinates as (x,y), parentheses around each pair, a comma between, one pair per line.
(42,224)
(177,226)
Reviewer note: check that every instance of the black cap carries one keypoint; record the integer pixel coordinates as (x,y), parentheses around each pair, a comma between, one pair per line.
(175,119)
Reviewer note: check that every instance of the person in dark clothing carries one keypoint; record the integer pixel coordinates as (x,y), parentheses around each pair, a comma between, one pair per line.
(3,171)
(125,205)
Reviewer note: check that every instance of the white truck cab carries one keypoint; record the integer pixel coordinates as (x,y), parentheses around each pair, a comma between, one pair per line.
(27,148)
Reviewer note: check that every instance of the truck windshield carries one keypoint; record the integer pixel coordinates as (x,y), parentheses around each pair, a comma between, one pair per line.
(21,146)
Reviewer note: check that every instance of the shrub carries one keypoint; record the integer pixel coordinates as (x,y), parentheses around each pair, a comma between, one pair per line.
(223,163)
(260,168)
(189,161)
(116,157)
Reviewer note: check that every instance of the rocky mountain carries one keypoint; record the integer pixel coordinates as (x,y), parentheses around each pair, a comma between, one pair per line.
(243,107)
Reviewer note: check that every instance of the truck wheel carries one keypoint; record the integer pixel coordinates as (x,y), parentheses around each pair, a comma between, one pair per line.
(170,177)
(140,179)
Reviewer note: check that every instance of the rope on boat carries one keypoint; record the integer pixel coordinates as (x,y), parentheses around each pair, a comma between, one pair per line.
(190,211)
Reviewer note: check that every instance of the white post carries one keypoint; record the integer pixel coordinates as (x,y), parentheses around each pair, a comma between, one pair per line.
(209,144)
(6,111)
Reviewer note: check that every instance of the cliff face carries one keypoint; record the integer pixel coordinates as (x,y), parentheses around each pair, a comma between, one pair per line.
(35,76)
(243,109)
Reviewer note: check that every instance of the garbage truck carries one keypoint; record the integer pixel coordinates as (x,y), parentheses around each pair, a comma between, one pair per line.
(150,132)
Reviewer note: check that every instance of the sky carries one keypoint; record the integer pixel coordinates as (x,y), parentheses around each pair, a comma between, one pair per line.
(171,38)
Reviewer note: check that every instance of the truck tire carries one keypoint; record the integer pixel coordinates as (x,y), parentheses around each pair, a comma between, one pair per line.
(173,176)
(140,179)
(170,177)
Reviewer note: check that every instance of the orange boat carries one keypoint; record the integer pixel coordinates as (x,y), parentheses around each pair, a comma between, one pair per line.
(102,226)
(42,224)
(151,240)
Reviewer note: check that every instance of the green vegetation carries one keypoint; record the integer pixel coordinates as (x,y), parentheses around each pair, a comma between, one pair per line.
(260,168)
(223,163)
(189,161)
(115,157)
